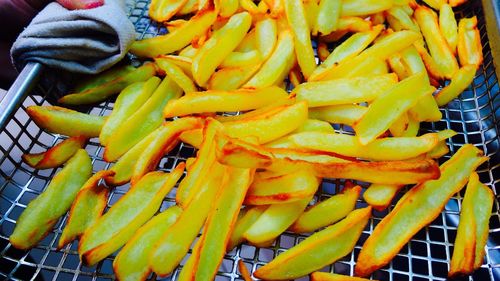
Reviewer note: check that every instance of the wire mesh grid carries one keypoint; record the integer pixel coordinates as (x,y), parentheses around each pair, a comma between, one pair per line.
(426,257)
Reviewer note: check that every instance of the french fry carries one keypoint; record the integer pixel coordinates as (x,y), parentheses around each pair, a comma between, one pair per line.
(344,91)
(436,42)
(472,231)
(60,120)
(228,79)
(323,276)
(418,207)
(266,35)
(188,52)
(276,7)
(246,218)
(177,74)
(227,8)
(347,49)
(201,167)
(435,4)
(216,101)
(338,114)
(430,63)
(318,250)
(103,77)
(145,120)
(311,125)
(281,189)
(245,155)
(174,24)
(323,52)
(165,140)
(412,128)
(327,212)
(398,13)
(274,221)
(189,7)
(43,212)
(131,263)
(163,10)
(249,6)
(86,209)
(110,88)
(389,106)
(176,40)
(249,42)
(126,216)
(241,59)
(448,26)
(127,103)
(469,49)
(268,109)
(245,274)
(183,62)
(57,155)
(174,243)
(275,69)
(459,82)
(364,7)
(399,126)
(328,16)
(455,3)
(353,24)
(221,43)
(124,167)
(383,149)
(296,16)
(220,223)
(380,196)
(268,127)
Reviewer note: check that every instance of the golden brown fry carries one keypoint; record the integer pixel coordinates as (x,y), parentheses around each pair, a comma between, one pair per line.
(86,209)
(318,250)
(418,207)
(218,101)
(246,218)
(328,211)
(472,231)
(448,26)
(438,47)
(470,51)
(221,43)
(281,189)
(459,82)
(163,10)
(276,68)
(57,155)
(303,47)
(389,106)
(176,40)
(245,274)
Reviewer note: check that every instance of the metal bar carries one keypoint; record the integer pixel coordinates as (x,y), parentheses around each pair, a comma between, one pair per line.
(18,91)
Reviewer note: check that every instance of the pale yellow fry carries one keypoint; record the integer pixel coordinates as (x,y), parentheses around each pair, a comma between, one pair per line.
(344,90)
(228,79)
(249,42)
(448,26)
(303,47)
(384,149)
(338,114)
(311,125)
(183,62)
(217,101)
(276,68)
(219,46)
(438,47)
(249,6)
(311,8)
(241,59)
(176,74)
(459,82)
(266,35)
(188,52)
(403,18)
(328,16)
(348,49)
(388,107)
(191,6)
(163,10)
(364,7)
(176,40)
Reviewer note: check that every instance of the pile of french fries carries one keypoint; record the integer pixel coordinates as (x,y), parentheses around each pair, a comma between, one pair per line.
(255,173)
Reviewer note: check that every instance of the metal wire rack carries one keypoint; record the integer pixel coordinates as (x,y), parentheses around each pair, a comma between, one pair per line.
(475,116)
